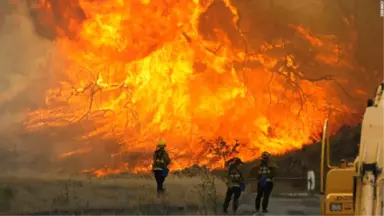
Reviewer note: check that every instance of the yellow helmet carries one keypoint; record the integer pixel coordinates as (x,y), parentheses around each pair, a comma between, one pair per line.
(265,155)
(161,144)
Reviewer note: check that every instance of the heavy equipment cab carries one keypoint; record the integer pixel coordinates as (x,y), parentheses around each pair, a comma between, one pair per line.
(356,188)
(336,197)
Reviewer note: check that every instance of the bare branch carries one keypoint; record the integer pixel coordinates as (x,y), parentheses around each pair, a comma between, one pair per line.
(221,148)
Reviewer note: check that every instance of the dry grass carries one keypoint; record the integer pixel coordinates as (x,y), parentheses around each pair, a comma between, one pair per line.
(129,194)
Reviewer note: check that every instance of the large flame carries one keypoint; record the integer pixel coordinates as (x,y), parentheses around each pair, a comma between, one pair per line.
(145,70)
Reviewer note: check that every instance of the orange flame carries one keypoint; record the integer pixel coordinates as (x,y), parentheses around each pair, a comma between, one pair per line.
(142,71)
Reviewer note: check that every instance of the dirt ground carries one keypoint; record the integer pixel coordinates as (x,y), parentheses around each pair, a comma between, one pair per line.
(122,194)
(90,195)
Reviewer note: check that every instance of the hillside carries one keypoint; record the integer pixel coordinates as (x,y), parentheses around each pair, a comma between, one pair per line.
(295,164)
(344,145)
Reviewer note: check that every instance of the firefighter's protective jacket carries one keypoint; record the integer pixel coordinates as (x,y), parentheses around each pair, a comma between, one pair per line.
(266,170)
(160,159)
(234,177)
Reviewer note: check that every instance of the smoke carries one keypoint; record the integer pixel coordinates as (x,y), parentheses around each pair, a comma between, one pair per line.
(24,59)
(26,73)
(23,56)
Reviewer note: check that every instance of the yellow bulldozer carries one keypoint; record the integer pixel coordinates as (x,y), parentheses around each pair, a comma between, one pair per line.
(357,187)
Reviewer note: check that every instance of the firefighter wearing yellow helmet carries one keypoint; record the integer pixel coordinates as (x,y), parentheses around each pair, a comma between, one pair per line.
(235,184)
(160,164)
(265,174)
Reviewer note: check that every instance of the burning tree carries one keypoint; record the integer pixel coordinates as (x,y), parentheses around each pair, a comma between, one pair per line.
(222,149)
(163,68)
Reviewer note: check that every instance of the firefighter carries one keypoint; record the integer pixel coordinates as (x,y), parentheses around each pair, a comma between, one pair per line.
(235,184)
(161,161)
(265,174)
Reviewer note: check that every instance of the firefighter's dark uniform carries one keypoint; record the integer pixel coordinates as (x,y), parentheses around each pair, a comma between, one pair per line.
(234,181)
(265,174)
(161,161)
